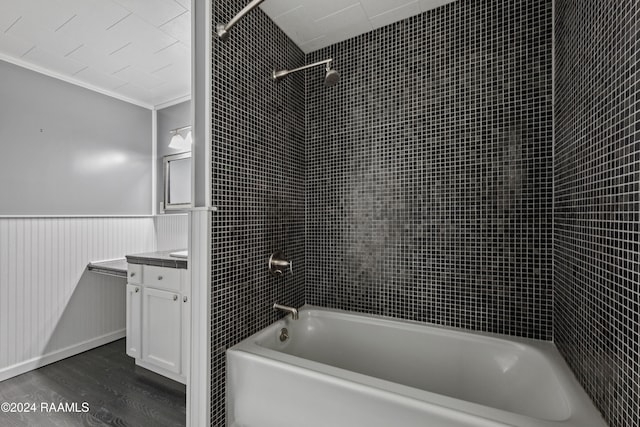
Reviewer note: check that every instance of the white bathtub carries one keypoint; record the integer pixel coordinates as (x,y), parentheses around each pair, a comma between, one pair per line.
(342,369)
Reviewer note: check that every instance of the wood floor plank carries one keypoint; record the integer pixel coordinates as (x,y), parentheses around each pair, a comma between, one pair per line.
(119,393)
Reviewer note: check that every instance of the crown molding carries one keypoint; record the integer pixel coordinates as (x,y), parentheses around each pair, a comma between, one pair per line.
(72,80)
(172,102)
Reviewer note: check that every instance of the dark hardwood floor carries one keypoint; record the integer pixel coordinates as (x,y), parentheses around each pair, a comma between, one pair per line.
(117,391)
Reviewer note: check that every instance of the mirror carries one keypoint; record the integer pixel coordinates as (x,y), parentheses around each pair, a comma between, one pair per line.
(177,181)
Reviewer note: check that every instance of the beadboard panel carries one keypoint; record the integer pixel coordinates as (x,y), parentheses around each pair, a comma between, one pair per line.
(49,302)
(171,231)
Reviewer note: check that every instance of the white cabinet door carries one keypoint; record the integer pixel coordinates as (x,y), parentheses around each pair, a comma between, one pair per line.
(162,329)
(134,320)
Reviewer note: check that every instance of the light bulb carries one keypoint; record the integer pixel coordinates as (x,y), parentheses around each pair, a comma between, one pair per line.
(177,142)
(188,141)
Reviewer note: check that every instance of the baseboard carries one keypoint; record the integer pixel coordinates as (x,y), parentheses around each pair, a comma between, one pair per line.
(54,356)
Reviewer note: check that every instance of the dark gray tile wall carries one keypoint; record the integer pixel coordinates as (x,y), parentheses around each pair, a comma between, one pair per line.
(597,201)
(429,170)
(258,182)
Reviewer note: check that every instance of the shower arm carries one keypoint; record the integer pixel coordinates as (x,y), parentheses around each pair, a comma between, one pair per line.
(277,75)
(223,29)
(326,61)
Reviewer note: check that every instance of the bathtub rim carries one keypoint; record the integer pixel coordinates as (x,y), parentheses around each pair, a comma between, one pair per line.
(582,411)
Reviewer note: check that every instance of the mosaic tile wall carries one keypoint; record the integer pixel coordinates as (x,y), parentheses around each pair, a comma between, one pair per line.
(597,201)
(258,182)
(429,170)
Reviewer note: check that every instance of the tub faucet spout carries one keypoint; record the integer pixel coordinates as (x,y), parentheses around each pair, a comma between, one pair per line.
(293,311)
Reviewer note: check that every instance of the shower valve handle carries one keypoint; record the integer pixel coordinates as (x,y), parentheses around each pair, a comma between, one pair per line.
(279,264)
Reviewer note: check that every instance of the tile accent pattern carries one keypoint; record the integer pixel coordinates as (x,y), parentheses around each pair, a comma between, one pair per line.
(597,201)
(429,180)
(258,182)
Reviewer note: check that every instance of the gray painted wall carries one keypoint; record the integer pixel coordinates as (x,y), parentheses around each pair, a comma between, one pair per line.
(67,150)
(173,117)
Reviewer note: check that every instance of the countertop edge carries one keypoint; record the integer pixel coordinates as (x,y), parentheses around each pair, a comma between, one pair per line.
(158,259)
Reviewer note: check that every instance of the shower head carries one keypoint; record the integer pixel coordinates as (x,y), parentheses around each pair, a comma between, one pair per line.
(330,79)
(223,30)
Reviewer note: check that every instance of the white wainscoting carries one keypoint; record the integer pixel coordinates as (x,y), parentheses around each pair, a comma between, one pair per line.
(51,306)
(172,231)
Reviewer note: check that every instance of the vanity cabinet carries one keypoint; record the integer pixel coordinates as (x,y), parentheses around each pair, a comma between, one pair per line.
(158,319)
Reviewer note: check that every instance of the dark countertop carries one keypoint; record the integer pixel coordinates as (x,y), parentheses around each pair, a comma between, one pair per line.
(116,267)
(159,259)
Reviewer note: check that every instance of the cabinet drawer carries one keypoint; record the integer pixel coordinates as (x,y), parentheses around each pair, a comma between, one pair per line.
(134,274)
(162,277)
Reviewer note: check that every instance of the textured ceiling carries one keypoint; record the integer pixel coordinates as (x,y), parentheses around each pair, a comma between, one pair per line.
(139,50)
(314,24)
(136,49)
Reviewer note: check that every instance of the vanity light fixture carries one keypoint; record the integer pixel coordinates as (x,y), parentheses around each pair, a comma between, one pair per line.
(178,142)
(188,140)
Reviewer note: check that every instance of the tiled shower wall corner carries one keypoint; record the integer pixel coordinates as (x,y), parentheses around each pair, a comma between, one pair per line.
(258,182)
(597,201)
(429,170)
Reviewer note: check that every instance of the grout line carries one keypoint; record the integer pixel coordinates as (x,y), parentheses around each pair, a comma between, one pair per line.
(173,19)
(120,48)
(118,21)
(161,68)
(74,50)
(166,47)
(28,51)
(80,70)
(14,23)
(64,23)
(121,69)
